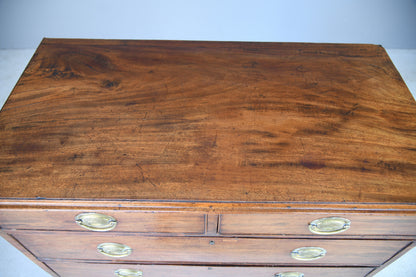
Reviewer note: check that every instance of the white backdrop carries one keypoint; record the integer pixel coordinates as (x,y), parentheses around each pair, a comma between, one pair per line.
(391,23)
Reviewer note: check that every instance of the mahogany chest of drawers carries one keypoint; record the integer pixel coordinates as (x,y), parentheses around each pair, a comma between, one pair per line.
(180,158)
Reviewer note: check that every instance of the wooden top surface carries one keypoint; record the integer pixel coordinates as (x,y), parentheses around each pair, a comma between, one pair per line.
(209,121)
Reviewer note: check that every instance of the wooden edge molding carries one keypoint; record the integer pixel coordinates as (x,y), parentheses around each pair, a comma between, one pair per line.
(206,206)
(392,259)
(27,253)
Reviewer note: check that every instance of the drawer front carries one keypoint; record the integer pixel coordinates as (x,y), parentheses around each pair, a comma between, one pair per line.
(81,245)
(298,224)
(127,221)
(68,269)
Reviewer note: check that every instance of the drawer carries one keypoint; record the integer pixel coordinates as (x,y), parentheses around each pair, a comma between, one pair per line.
(81,245)
(72,269)
(126,221)
(298,224)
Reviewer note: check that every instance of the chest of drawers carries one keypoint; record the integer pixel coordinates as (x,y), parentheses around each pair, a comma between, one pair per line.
(181,158)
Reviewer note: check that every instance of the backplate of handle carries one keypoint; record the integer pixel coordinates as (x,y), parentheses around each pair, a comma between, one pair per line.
(112,249)
(308,253)
(289,274)
(329,225)
(96,221)
(128,273)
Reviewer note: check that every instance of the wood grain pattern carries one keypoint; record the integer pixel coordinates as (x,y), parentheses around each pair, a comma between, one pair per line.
(74,269)
(208,206)
(127,221)
(209,121)
(206,250)
(297,224)
(392,260)
(253,224)
(26,252)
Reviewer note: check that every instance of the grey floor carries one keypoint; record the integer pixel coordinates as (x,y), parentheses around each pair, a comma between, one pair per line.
(15,264)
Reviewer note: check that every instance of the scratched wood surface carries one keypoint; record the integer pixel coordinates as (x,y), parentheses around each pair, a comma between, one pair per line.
(76,269)
(205,250)
(217,121)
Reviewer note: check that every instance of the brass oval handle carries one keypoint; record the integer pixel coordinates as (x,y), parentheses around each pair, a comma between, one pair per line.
(96,222)
(308,253)
(128,273)
(289,274)
(112,249)
(329,225)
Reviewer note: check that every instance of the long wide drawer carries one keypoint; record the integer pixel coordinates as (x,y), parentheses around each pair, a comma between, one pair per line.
(76,269)
(298,224)
(81,245)
(126,221)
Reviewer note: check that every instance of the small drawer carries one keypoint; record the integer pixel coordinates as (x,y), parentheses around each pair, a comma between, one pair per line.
(125,221)
(76,245)
(300,224)
(72,269)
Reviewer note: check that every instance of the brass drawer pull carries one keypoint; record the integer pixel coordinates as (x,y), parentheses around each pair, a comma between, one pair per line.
(289,274)
(96,221)
(329,225)
(112,249)
(308,253)
(128,273)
